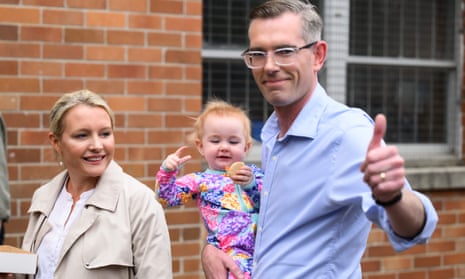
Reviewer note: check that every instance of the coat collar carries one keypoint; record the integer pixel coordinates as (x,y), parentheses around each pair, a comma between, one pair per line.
(104,197)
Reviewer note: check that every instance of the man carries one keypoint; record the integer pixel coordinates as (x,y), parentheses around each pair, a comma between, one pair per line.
(4,189)
(328,174)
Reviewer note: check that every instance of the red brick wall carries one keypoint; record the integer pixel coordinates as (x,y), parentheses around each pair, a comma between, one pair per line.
(144,57)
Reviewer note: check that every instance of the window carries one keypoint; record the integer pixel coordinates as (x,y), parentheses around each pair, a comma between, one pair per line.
(411,82)
(399,57)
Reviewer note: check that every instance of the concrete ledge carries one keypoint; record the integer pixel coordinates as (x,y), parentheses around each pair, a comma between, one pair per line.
(437,178)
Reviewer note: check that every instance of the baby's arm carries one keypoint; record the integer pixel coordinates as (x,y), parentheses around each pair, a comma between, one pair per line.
(175,160)
(171,191)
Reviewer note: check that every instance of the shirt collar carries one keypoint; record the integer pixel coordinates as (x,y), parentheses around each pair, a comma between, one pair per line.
(306,122)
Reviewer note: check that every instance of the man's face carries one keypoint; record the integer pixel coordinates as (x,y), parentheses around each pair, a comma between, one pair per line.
(283,85)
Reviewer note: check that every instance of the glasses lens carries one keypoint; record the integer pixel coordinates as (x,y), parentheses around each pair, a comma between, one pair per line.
(285,56)
(255,59)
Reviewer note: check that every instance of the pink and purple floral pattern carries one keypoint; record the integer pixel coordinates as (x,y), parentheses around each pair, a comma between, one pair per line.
(228,210)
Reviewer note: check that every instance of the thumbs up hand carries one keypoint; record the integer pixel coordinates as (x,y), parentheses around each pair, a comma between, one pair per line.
(383,167)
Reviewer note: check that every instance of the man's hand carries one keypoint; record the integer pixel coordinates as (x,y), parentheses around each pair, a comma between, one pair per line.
(216,264)
(383,167)
(384,172)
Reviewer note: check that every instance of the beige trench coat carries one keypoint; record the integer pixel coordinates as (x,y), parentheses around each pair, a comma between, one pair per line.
(121,233)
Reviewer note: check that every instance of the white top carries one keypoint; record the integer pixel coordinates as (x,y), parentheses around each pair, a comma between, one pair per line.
(61,218)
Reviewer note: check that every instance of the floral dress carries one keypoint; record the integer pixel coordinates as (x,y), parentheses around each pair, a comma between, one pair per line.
(228,210)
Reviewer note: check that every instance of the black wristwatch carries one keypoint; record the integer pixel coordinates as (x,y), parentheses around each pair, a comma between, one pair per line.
(391,202)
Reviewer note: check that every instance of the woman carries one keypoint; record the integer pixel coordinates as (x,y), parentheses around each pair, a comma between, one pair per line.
(93,220)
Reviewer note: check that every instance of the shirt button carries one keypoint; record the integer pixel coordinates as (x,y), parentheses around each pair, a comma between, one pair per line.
(265,193)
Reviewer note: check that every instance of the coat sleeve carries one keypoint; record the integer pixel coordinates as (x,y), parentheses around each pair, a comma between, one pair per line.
(151,242)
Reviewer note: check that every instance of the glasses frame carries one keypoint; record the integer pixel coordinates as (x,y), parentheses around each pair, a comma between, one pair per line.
(295,50)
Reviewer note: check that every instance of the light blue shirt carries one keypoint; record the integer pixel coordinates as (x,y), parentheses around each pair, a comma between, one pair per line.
(315,209)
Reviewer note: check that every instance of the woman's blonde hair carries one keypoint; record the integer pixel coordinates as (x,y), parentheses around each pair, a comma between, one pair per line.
(220,108)
(70,100)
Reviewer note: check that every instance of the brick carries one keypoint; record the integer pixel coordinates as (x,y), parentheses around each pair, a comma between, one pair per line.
(63,52)
(127,103)
(125,37)
(426,261)
(8,67)
(142,153)
(11,50)
(84,35)
(193,72)
(49,3)
(144,87)
(105,86)
(138,21)
(18,14)
(63,17)
(9,32)
(184,24)
(24,155)
(165,72)
(183,56)
(166,137)
(164,39)
(165,105)
(124,5)
(194,41)
(127,71)
(145,121)
(105,53)
(45,34)
(15,84)
(41,68)
(194,8)
(186,88)
(30,137)
(182,218)
(166,6)
(94,4)
(62,85)
(39,172)
(147,55)
(106,19)
(37,102)
(130,137)
(84,70)
(8,102)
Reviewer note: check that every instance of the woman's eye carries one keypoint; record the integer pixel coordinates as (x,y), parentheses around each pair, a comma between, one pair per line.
(106,134)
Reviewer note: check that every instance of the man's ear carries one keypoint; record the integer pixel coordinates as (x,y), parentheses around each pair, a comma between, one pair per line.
(320,50)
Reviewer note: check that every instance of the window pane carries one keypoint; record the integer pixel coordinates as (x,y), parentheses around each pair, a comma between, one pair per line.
(413,99)
(402,28)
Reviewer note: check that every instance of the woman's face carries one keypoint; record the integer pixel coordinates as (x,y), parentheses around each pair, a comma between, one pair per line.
(87,144)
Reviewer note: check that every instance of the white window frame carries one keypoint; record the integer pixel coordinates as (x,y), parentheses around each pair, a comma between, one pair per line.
(336,33)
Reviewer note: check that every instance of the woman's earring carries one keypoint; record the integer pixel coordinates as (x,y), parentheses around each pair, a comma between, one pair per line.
(60,163)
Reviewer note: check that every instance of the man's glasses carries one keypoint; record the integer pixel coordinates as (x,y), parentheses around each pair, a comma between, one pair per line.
(285,56)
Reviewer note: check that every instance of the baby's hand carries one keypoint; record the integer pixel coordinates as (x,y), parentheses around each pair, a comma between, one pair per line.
(240,173)
(175,160)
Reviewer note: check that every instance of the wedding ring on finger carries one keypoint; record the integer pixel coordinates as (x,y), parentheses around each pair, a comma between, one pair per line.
(382,175)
